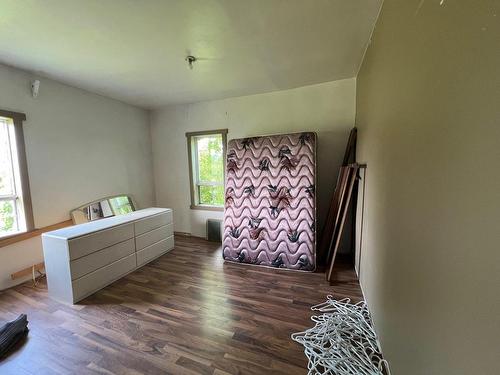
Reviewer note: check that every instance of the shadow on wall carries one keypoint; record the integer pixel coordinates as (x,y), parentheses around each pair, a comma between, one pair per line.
(331,148)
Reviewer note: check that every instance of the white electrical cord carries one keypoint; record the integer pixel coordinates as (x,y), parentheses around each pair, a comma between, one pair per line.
(343,341)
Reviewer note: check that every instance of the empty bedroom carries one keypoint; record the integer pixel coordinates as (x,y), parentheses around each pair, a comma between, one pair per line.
(249,187)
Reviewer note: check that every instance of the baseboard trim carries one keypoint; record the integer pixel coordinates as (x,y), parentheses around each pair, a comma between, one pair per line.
(186,234)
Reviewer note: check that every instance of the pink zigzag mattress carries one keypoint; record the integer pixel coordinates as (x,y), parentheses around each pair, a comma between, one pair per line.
(270,204)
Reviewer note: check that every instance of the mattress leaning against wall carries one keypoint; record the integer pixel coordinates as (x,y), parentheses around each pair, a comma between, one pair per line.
(270,203)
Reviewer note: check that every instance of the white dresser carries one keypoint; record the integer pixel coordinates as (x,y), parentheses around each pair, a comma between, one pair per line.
(81,259)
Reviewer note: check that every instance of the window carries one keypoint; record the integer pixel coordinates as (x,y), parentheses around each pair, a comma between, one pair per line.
(15,203)
(206,152)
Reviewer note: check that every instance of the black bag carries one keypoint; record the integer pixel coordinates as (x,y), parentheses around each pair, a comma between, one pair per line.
(11,333)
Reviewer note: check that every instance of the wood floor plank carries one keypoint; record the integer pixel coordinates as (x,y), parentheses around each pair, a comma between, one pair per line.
(185,313)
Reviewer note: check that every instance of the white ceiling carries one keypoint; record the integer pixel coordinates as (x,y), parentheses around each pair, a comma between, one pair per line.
(134,50)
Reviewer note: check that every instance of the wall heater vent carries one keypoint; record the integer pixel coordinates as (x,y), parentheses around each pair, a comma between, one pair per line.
(214,232)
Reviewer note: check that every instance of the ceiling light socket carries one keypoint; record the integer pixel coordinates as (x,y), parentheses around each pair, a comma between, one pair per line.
(190,60)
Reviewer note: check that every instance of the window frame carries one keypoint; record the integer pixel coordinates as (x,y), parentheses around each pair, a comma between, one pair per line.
(25,197)
(193,168)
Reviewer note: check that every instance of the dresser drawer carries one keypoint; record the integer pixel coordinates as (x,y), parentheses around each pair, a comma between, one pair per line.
(90,283)
(100,258)
(153,236)
(154,251)
(153,222)
(81,246)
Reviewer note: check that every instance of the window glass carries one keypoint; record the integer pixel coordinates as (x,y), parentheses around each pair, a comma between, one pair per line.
(211,195)
(207,160)
(210,163)
(11,209)
(6,170)
(8,217)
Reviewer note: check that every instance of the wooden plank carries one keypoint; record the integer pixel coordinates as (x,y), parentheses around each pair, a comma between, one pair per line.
(27,271)
(343,208)
(350,151)
(332,218)
(328,229)
(337,210)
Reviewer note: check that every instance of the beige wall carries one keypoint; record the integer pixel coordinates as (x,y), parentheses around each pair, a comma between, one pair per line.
(80,146)
(428,97)
(328,109)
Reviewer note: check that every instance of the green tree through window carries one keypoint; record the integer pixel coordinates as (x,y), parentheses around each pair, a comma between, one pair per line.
(206,152)
(210,170)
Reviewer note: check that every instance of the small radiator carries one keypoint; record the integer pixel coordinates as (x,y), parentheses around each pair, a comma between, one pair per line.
(214,232)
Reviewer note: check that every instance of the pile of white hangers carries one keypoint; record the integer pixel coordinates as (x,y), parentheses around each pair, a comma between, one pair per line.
(343,341)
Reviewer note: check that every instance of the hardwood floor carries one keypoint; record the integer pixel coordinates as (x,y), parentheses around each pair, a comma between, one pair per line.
(185,313)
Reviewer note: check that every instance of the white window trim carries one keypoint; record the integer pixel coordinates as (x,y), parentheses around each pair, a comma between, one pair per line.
(194,181)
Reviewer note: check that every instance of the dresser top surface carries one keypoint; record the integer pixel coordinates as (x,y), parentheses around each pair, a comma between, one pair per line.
(102,224)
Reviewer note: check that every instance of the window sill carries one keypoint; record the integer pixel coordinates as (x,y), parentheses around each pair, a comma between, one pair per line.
(206,208)
(18,237)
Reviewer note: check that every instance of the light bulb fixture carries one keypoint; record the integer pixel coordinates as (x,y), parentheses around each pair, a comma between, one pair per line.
(190,60)
(35,88)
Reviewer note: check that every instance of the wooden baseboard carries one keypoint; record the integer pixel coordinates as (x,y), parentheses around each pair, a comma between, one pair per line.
(186,234)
